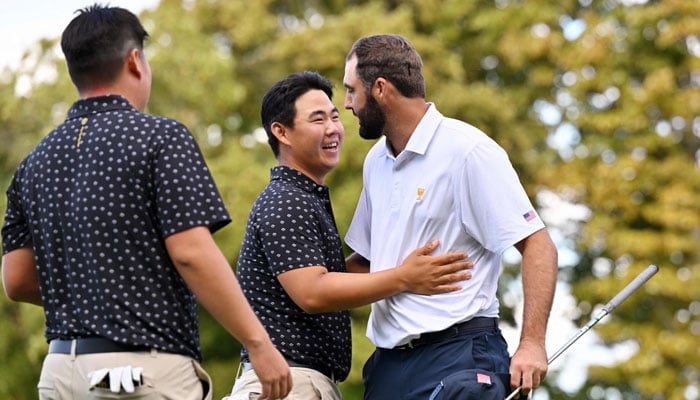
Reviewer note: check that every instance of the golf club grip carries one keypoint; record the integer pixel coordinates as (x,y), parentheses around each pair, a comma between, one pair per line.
(631,287)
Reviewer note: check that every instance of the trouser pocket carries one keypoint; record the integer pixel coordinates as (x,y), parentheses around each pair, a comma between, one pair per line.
(470,384)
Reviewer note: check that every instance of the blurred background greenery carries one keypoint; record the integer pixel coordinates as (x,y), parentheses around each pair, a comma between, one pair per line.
(597,103)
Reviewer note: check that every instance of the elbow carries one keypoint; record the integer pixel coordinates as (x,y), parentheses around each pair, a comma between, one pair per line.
(188,248)
(11,292)
(10,284)
(20,280)
(180,261)
(312,305)
(313,301)
(17,292)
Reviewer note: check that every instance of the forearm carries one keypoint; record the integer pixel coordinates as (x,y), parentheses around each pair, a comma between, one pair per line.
(335,291)
(325,291)
(316,290)
(539,274)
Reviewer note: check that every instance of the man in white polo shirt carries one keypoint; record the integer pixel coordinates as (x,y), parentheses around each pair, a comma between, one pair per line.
(432,177)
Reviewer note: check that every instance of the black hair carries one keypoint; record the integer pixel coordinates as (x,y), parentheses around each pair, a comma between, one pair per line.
(96,42)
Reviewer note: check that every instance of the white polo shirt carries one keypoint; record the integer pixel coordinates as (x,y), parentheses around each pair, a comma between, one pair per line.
(452,183)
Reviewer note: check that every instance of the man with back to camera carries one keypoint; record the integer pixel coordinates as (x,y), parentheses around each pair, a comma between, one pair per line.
(108,227)
(437,177)
(291,265)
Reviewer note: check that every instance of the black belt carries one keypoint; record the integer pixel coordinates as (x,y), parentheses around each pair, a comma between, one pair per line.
(328,372)
(473,325)
(91,345)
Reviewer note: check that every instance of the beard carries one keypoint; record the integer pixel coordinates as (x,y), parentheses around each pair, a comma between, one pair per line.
(372,119)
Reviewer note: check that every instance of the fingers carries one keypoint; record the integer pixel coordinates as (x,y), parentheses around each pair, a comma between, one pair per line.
(446,278)
(527,388)
(287,386)
(449,258)
(457,266)
(451,273)
(446,258)
(516,381)
(448,283)
(526,376)
(453,278)
(271,391)
(446,289)
(428,248)
(276,389)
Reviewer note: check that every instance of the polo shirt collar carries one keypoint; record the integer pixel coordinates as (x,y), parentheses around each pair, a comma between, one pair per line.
(422,135)
(99,104)
(296,178)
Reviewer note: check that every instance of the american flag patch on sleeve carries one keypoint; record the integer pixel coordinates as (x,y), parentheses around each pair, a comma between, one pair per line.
(529,216)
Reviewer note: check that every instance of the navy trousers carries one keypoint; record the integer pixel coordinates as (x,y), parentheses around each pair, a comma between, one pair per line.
(413,374)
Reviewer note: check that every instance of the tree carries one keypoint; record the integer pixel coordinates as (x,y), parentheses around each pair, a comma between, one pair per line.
(628,94)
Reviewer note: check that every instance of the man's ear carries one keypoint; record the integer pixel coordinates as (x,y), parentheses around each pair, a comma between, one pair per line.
(280,131)
(380,88)
(133,62)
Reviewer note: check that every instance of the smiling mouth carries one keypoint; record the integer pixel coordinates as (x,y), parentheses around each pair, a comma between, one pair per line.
(331,146)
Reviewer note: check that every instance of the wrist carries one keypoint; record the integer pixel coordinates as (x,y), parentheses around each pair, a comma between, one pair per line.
(258,343)
(400,279)
(532,340)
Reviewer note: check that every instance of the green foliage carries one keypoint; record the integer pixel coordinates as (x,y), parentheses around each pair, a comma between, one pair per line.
(22,347)
(627,86)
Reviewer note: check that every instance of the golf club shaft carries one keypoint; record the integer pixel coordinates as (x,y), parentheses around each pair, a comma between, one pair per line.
(621,296)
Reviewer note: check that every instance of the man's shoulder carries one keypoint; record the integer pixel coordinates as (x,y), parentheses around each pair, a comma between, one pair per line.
(461,136)
(280,195)
(463,129)
(160,129)
(161,121)
(280,190)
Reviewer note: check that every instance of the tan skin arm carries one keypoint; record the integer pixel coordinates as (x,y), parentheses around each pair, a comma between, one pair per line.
(19,276)
(316,290)
(528,366)
(208,274)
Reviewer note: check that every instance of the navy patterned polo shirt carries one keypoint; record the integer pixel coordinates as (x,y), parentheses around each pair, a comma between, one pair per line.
(291,226)
(97,197)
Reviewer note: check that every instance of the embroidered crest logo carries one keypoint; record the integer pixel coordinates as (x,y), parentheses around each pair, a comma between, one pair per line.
(419,193)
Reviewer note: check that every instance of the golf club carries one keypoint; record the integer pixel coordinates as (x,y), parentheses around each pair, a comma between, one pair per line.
(612,304)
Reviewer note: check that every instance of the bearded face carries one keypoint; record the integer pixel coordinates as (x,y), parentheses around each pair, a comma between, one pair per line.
(372,119)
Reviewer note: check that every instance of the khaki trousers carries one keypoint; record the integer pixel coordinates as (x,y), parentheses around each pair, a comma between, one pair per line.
(308,384)
(165,376)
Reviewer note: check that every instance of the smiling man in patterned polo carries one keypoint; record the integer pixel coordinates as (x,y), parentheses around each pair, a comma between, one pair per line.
(291,265)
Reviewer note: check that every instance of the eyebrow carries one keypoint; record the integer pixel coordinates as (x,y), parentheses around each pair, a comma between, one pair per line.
(322,113)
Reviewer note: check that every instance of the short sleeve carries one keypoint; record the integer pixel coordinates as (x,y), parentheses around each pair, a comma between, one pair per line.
(359,233)
(186,194)
(15,230)
(497,212)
